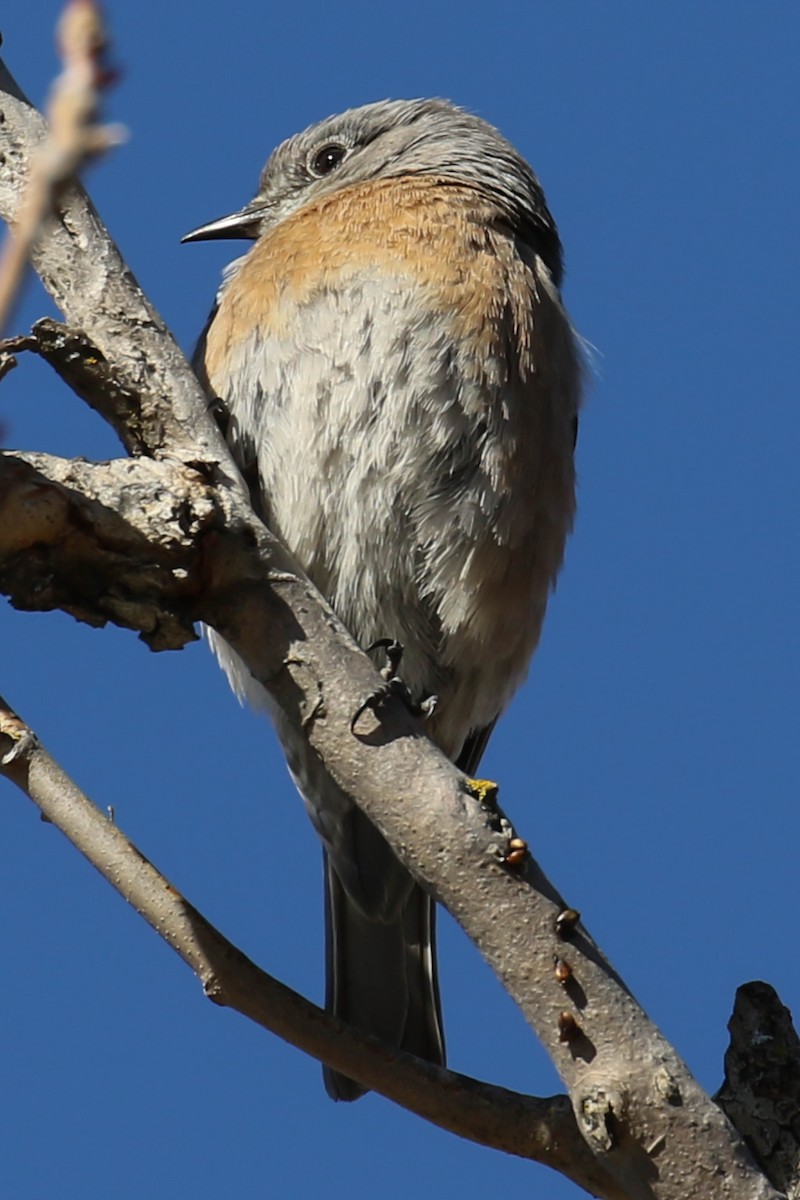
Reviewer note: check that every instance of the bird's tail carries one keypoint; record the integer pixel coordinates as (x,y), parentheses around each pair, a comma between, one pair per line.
(381,976)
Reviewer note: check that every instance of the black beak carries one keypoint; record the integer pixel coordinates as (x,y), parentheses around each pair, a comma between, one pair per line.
(243,224)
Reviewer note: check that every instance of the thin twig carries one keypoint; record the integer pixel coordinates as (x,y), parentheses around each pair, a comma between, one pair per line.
(75,137)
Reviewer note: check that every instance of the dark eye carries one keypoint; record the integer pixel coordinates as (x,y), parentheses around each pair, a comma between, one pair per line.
(327,159)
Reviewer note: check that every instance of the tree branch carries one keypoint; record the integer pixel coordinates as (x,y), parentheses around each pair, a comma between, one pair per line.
(761,1092)
(543,1130)
(82,367)
(84,272)
(120,541)
(73,138)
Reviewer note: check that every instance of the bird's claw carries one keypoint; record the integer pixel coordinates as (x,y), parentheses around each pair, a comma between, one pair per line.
(373,701)
(392,685)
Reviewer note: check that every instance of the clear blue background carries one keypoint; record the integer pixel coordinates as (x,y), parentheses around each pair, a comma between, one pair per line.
(652,758)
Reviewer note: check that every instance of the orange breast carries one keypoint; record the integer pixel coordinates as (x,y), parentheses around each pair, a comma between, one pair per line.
(442,235)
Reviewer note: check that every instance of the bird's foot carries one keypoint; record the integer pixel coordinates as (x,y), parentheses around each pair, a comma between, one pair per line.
(392,685)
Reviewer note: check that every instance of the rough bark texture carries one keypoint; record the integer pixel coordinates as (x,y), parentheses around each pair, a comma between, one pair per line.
(761,1092)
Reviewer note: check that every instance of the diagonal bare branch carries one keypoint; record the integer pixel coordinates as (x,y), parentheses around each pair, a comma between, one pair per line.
(543,1130)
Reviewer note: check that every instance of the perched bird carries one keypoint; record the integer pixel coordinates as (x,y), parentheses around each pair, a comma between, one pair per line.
(400,372)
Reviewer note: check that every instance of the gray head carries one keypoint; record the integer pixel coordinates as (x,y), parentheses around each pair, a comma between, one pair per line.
(388,139)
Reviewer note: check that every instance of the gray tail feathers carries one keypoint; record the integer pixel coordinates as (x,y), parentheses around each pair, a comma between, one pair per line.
(381,976)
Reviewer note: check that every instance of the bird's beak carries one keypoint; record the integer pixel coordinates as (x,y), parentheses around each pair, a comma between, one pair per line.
(245,223)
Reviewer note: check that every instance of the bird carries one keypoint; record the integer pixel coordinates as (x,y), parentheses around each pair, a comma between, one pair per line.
(401,378)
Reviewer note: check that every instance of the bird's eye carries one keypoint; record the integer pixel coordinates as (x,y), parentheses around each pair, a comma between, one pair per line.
(323,161)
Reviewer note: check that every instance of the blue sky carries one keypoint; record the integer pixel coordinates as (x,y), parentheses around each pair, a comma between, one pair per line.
(651,760)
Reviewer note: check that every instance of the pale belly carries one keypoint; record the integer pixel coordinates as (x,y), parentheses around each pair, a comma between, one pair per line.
(429,501)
